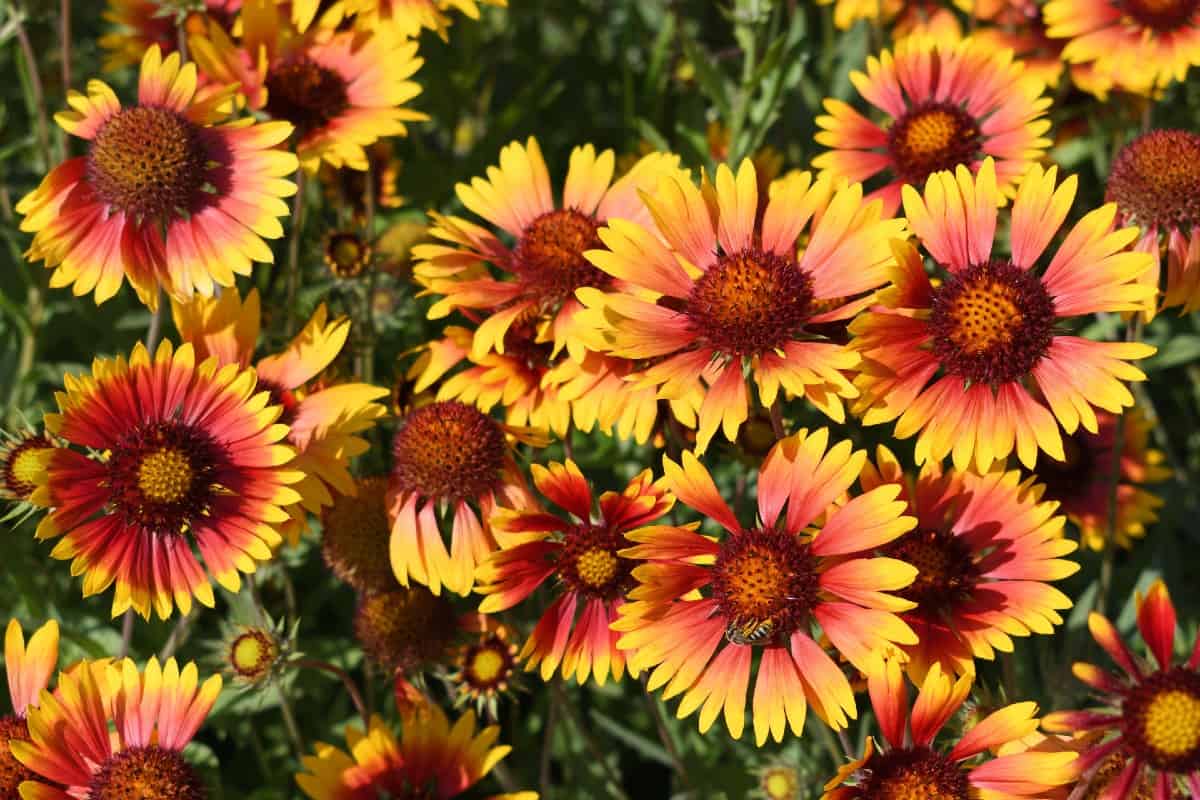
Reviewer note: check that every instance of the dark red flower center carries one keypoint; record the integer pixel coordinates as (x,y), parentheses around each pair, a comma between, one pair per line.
(305,94)
(946,571)
(21,464)
(147,162)
(991,323)
(252,654)
(146,773)
(765,584)
(589,563)
(1162,720)
(1164,16)
(750,302)
(448,450)
(12,772)
(487,665)
(354,537)
(549,256)
(913,773)
(163,476)
(405,628)
(346,254)
(1087,458)
(931,137)
(1155,179)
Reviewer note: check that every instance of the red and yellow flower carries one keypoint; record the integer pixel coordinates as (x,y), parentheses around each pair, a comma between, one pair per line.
(1141,44)
(907,17)
(449,460)
(908,765)
(29,668)
(704,605)
(977,366)
(945,104)
(985,548)
(1155,182)
(1150,715)
(1082,483)
(715,292)
(164,454)
(407,18)
(325,422)
(165,197)
(583,553)
(484,666)
(342,90)
(155,714)
(430,757)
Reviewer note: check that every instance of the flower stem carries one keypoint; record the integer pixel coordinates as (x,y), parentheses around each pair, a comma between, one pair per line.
(356,696)
(126,634)
(664,735)
(38,99)
(844,741)
(777,426)
(547,749)
(289,720)
(179,635)
(154,329)
(64,41)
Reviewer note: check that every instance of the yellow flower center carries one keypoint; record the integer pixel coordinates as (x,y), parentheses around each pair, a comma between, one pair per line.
(147,162)
(346,254)
(596,567)
(30,464)
(22,465)
(1162,720)
(487,665)
(252,654)
(986,316)
(1172,723)
(165,476)
(12,772)
(147,773)
(932,137)
(757,582)
(765,584)
(780,783)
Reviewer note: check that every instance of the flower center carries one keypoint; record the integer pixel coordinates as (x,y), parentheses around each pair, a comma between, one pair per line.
(162,475)
(406,628)
(147,162)
(549,256)
(1163,16)
(488,665)
(931,137)
(913,774)
(354,537)
(946,573)
(146,773)
(590,564)
(991,323)
(24,463)
(252,654)
(346,254)
(1162,720)
(305,94)
(1155,179)
(780,783)
(12,772)
(765,584)
(448,450)
(1086,458)
(751,302)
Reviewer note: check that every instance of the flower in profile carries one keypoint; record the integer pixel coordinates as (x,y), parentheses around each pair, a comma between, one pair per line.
(407,18)
(712,294)
(165,197)
(485,665)
(340,90)
(945,104)
(450,462)
(142,24)
(1082,482)
(986,548)
(978,366)
(23,458)
(431,760)
(1155,182)
(581,551)
(354,536)
(906,764)
(1149,716)
(405,629)
(155,713)
(29,668)
(325,422)
(704,605)
(1141,44)
(177,455)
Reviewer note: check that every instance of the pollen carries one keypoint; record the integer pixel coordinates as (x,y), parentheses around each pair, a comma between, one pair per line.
(354,537)
(305,93)
(766,575)
(991,323)
(448,450)
(147,773)
(346,254)
(1162,720)
(487,666)
(946,573)
(149,163)
(590,564)
(1164,16)
(549,255)
(252,654)
(750,303)
(12,772)
(932,137)
(22,465)
(405,628)
(1155,179)
(165,476)
(596,567)
(913,774)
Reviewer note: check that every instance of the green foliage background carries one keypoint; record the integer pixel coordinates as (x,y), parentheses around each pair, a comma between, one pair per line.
(622,74)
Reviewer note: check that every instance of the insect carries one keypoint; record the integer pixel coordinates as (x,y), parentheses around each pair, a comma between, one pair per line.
(750,631)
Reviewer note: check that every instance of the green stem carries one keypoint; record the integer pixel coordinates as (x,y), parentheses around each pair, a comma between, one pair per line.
(664,735)
(35,87)
(289,720)
(126,634)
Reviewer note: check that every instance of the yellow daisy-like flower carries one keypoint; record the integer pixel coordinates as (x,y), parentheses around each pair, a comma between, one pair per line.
(407,18)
